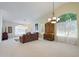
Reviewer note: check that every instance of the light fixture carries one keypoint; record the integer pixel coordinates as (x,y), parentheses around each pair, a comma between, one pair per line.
(53,19)
(49,19)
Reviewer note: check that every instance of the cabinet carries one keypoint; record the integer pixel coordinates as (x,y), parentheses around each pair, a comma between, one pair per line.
(49,31)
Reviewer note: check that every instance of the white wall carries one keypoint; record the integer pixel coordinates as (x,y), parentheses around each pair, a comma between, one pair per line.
(6,24)
(0,28)
(1,19)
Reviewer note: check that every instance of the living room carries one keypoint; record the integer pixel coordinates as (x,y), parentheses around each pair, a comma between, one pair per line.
(28,23)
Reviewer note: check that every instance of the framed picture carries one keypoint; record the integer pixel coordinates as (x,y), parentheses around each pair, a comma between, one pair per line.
(9,29)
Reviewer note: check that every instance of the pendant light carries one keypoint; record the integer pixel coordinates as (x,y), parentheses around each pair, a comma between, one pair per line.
(53,19)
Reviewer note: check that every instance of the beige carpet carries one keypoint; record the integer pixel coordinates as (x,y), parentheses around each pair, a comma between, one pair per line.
(39,48)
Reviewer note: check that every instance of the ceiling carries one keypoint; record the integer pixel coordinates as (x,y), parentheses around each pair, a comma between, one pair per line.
(23,12)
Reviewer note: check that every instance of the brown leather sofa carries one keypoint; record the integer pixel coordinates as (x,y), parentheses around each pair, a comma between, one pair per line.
(29,37)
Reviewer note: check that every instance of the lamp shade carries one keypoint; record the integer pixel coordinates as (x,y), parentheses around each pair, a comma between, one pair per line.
(49,19)
(53,18)
(53,22)
(58,19)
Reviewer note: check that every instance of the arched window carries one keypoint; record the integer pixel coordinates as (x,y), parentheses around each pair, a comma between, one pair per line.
(68,17)
(67,26)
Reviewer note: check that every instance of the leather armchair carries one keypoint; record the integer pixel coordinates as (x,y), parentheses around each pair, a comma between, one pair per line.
(4,36)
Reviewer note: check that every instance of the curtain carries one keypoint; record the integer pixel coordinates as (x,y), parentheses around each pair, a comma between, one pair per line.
(67,32)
